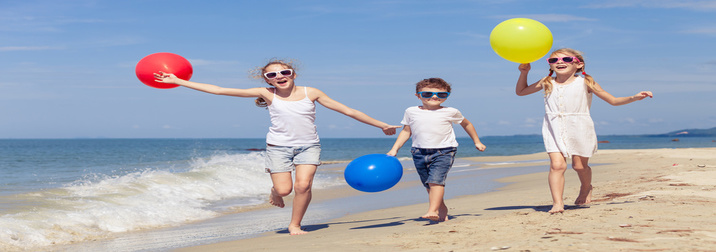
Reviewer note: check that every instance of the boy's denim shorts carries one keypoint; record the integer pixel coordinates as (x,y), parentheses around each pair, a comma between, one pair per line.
(283,158)
(433,164)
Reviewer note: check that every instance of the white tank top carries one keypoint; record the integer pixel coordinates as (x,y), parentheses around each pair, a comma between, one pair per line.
(292,122)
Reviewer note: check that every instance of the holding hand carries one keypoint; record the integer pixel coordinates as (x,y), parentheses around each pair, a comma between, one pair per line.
(526,67)
(480,146)
(390,130)
(643,94)
(166,77)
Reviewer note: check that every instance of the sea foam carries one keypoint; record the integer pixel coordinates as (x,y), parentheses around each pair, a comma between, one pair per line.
(101,205)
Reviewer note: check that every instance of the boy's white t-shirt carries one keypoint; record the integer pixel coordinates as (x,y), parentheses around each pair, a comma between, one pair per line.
(432,129)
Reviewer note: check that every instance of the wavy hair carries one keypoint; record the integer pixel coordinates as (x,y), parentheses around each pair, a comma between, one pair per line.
(258,73)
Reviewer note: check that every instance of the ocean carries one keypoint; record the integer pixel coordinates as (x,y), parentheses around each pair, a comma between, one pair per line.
(158,194)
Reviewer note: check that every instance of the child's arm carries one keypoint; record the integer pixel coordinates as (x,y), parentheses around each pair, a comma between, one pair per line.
(208,88)
(470,129)
(327,102)
(616,101)
(522,89)
(402,138)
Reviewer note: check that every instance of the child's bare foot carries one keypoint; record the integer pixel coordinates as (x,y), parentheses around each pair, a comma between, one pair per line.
(585,196)
(443,214)
(433,216)
(275,199)
(557,209)
(296,230)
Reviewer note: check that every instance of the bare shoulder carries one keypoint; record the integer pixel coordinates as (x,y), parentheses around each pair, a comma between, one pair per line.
(265,91)
(314,93)
(595,87)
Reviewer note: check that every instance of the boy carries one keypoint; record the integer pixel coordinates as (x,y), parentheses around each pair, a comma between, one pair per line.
(434,144)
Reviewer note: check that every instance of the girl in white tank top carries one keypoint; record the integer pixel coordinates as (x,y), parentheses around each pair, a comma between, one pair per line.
(292,111)
(292,122)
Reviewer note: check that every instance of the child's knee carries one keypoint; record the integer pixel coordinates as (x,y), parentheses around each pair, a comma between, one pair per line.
(302,187)
(580,167)
(282,191)
(558,166)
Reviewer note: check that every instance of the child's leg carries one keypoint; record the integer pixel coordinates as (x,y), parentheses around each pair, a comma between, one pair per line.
(557,167)
(437,210)
(282,186)
(581,166)
(279,166)
(438,170)
(302,197)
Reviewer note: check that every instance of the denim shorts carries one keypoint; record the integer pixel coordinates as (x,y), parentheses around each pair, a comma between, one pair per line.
(433,164)
(284,158)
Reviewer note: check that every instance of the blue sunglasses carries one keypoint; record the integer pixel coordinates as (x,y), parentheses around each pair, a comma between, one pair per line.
(427,94)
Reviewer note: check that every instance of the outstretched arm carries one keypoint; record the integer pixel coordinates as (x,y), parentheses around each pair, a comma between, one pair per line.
(400,141)
(470,129)
(327,102)
(522,88)
(616,101)
(209,88)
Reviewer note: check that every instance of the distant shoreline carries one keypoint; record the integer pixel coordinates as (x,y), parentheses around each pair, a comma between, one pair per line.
(385,137)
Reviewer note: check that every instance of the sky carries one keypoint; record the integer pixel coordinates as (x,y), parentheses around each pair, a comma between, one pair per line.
(67,68)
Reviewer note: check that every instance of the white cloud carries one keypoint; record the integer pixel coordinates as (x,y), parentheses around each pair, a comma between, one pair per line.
(532,122)
(549,17)
(699,5)
(628,120)
(701,30)
(27,48)
(203,62)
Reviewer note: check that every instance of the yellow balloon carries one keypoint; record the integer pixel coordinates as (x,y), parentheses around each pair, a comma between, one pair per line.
(521,40)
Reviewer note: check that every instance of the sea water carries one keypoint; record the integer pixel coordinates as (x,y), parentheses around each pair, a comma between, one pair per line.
(55,192)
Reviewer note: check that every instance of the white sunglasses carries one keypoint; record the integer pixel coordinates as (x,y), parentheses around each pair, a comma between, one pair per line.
(285,72)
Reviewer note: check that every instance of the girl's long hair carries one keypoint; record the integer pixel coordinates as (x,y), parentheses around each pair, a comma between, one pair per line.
(546,82)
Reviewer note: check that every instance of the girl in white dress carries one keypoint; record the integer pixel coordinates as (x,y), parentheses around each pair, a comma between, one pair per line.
(568,130)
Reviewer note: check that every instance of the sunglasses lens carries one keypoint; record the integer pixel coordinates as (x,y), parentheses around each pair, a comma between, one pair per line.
(568,59)
(270,75)
(552,60)
(441,95)
(287,72)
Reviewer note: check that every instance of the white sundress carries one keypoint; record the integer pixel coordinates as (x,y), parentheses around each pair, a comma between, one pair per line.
(568,127)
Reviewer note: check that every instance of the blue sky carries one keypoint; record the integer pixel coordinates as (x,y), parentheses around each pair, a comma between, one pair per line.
(67,67)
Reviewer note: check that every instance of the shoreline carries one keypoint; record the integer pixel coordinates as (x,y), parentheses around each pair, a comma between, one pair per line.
(652,199)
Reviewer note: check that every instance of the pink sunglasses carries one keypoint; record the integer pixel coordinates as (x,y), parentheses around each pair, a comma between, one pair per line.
(564,59)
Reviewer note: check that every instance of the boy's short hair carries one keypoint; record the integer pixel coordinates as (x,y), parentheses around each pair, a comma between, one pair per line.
(432,83)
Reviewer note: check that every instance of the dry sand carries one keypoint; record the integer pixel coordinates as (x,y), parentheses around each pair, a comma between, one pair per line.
(644,200)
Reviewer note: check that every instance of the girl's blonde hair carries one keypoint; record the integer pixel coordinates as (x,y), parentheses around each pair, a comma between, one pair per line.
(546,82)
(258,73)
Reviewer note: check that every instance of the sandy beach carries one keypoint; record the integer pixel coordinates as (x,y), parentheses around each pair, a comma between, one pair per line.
(643,200)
